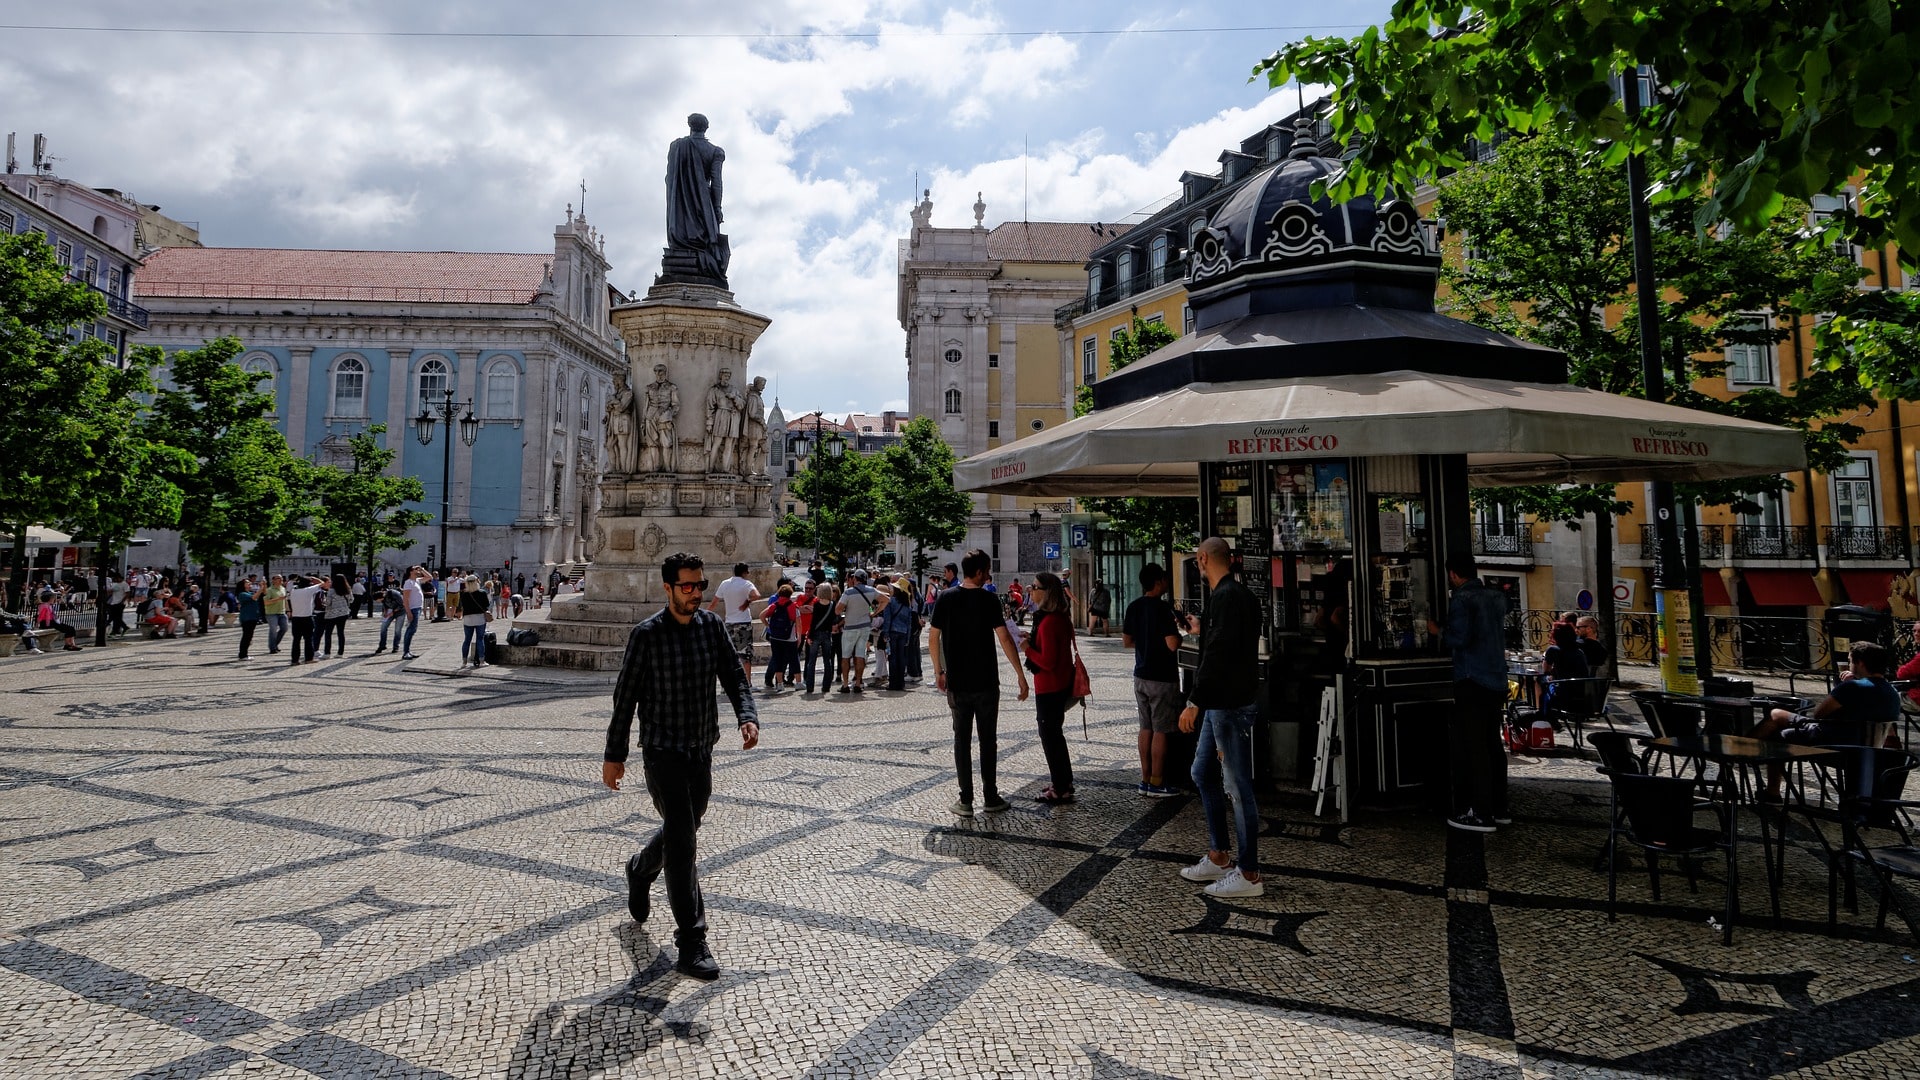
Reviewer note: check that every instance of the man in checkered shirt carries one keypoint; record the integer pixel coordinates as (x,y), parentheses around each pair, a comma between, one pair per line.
(666,678)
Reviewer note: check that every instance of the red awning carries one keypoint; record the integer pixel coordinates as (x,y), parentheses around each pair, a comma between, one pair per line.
(1782,588)
(1868,588)
(1713,590)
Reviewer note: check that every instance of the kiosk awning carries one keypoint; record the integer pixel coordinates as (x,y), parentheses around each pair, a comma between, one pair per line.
(1511,433)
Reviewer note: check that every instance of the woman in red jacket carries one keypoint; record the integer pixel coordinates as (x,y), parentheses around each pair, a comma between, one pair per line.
(1050,658)
(1909,673)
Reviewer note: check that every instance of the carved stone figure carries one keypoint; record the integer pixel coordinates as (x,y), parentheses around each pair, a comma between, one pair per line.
(723,424)
(620,441)
(753,438)
(697,251)
(661,406)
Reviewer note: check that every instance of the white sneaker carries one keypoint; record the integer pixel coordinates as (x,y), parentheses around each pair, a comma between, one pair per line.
(1232,884)
(1204,870)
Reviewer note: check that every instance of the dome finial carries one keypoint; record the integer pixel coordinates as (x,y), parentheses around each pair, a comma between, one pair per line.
(1304,144)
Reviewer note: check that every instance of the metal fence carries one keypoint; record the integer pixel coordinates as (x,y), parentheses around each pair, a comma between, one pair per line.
(1747,643)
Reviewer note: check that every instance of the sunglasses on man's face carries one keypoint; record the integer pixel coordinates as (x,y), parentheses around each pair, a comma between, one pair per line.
(691,586)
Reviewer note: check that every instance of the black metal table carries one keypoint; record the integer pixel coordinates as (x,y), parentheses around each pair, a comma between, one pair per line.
(1737,757)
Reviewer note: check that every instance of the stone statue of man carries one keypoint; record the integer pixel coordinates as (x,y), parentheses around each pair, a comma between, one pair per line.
(620,443)
(694,240)
(661,406)
(753,439)
(723,424)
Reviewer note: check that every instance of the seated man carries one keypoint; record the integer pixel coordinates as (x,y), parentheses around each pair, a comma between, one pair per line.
(1563,661)
(1587,630)
(1850,716)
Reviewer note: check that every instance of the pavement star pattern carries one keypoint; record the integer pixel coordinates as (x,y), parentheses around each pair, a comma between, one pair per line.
(212,869)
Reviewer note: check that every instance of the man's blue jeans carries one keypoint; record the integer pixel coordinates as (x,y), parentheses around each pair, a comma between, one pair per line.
(413,623)
(390,618)
(1228,734)
(276,629)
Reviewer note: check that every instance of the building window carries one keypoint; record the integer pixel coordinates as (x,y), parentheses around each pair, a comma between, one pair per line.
(350,387)
(113,340)
(586,406)
(113,282)
(501,388)
(92,271)
(1855,505)
(263,367)
(1828,207)
(953,403)
(434,382)
(1096,281)
(1157,318)
(1186,319)
(1157,260)
(1749,353)
(993,429)
(560,400)
(952,356)
(1089,358)
(993,359)
(6,221)
(66,254)
(1123,272)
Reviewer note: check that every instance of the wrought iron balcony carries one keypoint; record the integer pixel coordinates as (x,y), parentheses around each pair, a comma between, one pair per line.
(117,306)
(1713,540)
(1883,542)
(1755,542)
(1150,278)
(1511,540)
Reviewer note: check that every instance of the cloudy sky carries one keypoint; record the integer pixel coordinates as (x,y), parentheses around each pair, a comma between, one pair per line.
(398,124)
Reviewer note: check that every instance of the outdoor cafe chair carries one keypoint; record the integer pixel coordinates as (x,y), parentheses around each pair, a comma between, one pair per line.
(1656,814)
(1577,702)
(1616,756)
(1871,795)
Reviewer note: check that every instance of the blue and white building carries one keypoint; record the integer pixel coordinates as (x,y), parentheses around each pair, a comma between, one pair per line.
(348,339)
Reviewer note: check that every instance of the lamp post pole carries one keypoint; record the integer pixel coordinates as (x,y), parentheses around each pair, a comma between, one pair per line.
(443,412)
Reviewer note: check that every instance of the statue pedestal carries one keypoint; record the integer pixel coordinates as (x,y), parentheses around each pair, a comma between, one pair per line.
(692,333)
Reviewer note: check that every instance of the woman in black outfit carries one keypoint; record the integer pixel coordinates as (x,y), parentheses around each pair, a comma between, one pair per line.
(333,626)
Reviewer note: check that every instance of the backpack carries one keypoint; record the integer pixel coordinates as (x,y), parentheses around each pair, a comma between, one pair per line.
(780,620)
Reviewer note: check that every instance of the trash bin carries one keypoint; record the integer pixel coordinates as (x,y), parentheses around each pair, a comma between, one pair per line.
(1848,623)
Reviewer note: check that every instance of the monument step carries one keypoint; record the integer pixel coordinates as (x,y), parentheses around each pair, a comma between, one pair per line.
(564,655)
(578,633)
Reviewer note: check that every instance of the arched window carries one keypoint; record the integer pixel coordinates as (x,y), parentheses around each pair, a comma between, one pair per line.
(953,403)
(1123,272)
(586,405)
(502,391)
(350,387)
(560,398)
(1157,259)
(435,380)
(263,367)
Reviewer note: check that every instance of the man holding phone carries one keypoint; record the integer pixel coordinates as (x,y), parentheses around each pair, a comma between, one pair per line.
(1224,707)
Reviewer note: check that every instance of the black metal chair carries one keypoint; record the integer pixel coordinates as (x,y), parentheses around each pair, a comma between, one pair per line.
(1576,702)
(1658,814)
(1871,795)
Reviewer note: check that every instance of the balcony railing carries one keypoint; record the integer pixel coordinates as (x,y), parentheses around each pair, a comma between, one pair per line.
(1713,540)
(1883,542)
(117,306)
(1756,542)
(1503,541)
(1150,278)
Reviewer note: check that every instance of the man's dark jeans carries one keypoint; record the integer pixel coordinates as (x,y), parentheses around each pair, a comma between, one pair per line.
(1479,761)
(980,709)
(305,637)
(913,653)
(680,783)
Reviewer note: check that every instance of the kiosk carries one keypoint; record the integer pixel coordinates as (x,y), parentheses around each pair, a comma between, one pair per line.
(1331,423)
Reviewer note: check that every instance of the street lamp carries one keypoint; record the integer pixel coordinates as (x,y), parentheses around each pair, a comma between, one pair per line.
(833,448)
(423,430)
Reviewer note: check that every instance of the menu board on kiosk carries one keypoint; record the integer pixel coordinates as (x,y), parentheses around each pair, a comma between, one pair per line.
(1399,572)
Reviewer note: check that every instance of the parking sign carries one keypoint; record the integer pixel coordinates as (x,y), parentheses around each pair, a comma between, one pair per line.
(1050,550)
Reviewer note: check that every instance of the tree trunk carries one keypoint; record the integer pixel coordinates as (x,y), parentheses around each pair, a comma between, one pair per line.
(101,555)
(15,600)
(1603,569)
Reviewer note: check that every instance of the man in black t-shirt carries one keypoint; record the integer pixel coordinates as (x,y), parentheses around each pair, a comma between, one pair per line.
(1150,631)
(966,622)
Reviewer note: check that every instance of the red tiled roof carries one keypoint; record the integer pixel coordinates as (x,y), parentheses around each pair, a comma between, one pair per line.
(1046,241)
(458,277)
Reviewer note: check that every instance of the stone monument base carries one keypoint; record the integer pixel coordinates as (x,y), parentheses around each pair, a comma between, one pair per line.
(690,333)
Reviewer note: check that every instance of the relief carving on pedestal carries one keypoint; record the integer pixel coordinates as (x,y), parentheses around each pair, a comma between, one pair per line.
(652,541)
(661,408)
(598,543)
(727,540)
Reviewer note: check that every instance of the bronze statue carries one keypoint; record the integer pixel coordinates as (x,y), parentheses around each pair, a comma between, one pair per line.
(697,251)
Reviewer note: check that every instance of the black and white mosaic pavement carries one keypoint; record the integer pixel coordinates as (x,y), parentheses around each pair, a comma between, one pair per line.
(216,869)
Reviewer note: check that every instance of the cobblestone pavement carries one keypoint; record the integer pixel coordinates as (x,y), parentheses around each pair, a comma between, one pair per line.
(217,869)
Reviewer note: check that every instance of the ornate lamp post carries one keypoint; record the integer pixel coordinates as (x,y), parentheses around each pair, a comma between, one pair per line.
(443,412)
(833,447)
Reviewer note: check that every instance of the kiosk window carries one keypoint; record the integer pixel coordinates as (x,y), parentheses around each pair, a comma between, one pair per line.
(1232,500)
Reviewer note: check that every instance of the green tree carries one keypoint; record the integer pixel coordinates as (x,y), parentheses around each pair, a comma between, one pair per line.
(292,526)
(1760,101)
(361,507)
(845,513)
(917,492)
(235,489)
(129,489)
(53,386)
(1166,522)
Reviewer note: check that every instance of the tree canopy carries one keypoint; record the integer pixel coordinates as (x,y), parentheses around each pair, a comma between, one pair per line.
(1168,522)
(916,488)
(845,514)
(1757,101)
(360,512)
